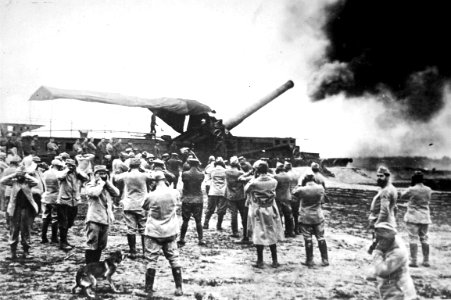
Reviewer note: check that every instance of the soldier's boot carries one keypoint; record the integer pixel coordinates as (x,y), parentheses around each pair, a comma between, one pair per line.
(206,221)
(308,253)
(425,248)
(177,273)
(90,256)
(322,245)
(150,279)
(45,226)
(245,239)
(413,255)
(183,231)
(234,225)
(259,257)
(200,233)
(143,244)
(219,224)
(131,239)
(289,228)
(296,227)
(13,252)
(26,252)
(54,233)
(63,240)
(275,263)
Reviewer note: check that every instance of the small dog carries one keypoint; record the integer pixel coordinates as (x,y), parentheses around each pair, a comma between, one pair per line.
(87,276)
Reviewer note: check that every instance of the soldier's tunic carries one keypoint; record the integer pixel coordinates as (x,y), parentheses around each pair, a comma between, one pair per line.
(283,200)
(69,197)
(22,208)
(162,225)
(136,186)
(311,217)
(235,196)
(100,213)
(216,194)
(295,201)
(192,198)
(383,206)
(50,195)
(418,215)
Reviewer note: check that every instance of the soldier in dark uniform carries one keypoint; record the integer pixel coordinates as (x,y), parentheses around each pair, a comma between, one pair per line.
(236,198)
(283,199)
(174,165)
(192,200)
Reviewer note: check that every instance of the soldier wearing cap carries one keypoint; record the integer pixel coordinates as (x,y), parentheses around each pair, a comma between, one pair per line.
(383,206)
(52,147)
(101,150)
(12,167)
(68,199)
(100,216)
(311,218)
(49,211)
(174,165)
(149,161)
(319,179)
(161,231)
(37,171)
(390,265)
(418,217)
(207,171)
(136,185)
(85,162)
(245,165)
(76,147)
(192,200)
(64,156)
(119,165)
(21,208)
(264,218)
(31,164)
(216,194)
(283,198)
(295,201)
(236,198)
(159,165)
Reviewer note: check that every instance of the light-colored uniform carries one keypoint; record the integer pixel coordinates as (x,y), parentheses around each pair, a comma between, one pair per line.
(136,185)
(418,216)
(162,225)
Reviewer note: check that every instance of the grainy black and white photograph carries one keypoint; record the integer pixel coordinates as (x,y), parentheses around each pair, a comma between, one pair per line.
(225,149)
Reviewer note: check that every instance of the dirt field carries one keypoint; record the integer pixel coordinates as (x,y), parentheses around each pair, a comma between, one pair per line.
(223,269)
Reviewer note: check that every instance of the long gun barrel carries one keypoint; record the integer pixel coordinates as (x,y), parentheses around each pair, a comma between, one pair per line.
(240,117)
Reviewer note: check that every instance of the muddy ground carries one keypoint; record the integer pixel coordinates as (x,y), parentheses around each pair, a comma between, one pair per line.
(223,269)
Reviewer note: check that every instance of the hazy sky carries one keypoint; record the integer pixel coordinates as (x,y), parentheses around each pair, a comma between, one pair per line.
(223,53)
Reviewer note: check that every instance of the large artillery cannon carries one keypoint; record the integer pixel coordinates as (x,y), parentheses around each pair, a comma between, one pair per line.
(212,136)
(195,121)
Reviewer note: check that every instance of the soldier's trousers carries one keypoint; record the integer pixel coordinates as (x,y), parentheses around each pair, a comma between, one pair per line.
(169,247)
(213,202)
(21,223)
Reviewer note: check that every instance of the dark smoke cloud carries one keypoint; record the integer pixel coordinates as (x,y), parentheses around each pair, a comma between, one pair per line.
(396,47)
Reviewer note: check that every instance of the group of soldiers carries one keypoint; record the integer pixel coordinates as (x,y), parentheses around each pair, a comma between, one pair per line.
(273,205)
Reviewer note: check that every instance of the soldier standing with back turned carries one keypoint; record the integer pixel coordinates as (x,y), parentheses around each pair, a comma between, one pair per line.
(418,218)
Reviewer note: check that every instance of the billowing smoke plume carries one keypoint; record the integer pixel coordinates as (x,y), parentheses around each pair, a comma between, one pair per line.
(381,47)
